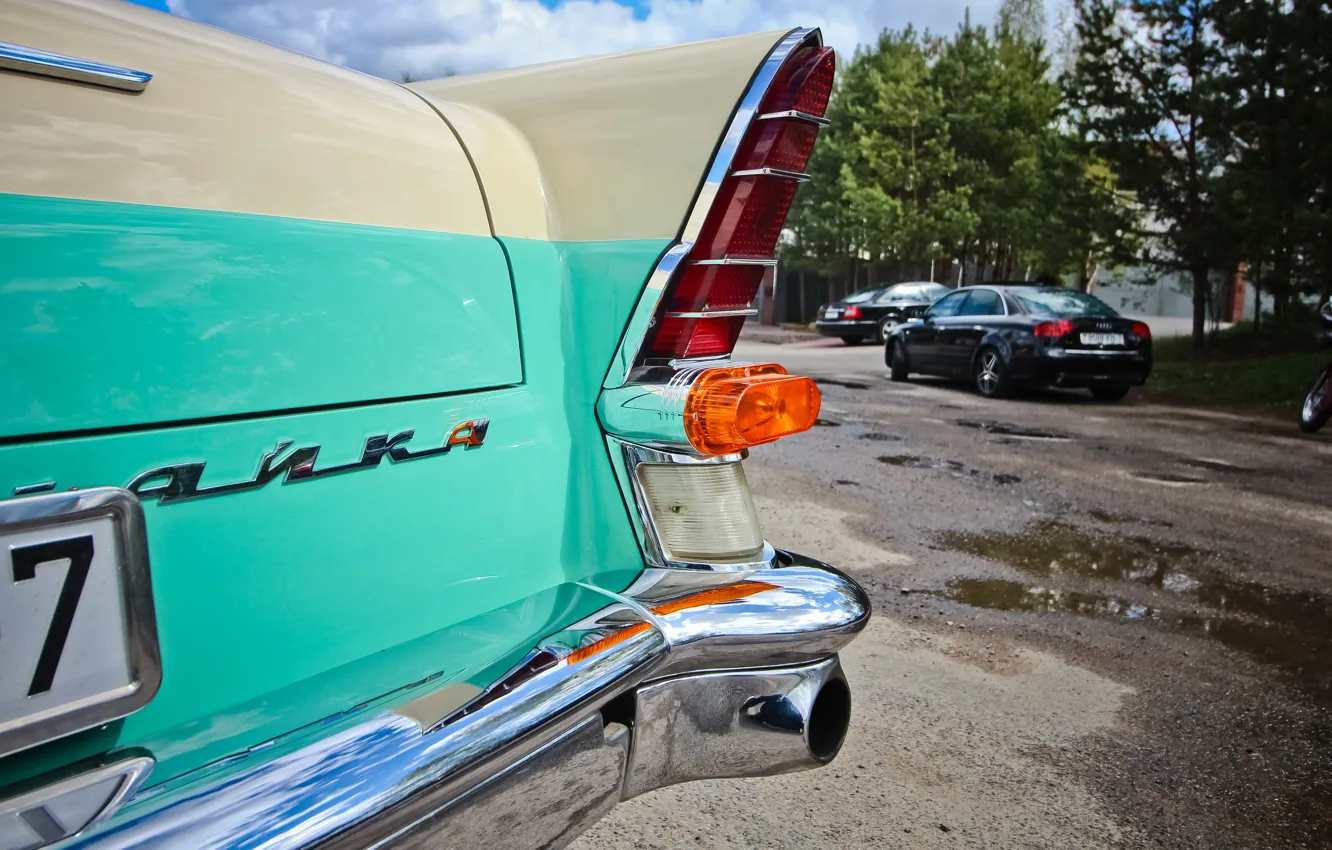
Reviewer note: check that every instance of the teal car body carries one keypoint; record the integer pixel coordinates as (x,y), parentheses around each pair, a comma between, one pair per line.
(358,411)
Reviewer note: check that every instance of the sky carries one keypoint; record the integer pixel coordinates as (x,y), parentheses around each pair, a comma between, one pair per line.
(432,38)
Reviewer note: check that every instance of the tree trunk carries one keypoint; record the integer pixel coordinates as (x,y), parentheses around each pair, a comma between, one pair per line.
(1257,299)
(804,316)
(1199,307)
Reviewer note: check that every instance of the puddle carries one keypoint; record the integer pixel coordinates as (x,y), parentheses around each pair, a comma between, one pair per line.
(1052,548)
(1008,429)
(1288,629)
(1171,479)
(827,423)
(1000,595)
(1119,519)
(901,460)
(880,437)
(837,382)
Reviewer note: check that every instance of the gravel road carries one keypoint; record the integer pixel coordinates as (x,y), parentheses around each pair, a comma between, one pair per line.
(1096,626)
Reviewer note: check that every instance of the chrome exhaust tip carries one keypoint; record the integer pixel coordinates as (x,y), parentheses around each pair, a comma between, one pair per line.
(738,723)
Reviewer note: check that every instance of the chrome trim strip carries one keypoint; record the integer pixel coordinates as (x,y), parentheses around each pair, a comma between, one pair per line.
(29,489)
(380,774)
(644,316)
(132,772)
(817,120)
(646,310)
(1074,353)
(30,60)
(145,657)
(798,176)
(738,261)
(713,314)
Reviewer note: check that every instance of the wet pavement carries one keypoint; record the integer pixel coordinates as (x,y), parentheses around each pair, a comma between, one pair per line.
(1183,556)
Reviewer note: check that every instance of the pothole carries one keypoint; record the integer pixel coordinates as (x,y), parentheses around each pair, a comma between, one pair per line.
(1120,519)
(956,468)
(1008,429)
(838,382)
(880,437)
(1170,479)
(827,423)
(1213,464)
(1288,629)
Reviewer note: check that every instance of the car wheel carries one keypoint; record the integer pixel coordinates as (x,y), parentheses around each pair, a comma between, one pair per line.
(1317,404)
(990,374)
(885,328)
(897,362)
(1109,393)
(852,340)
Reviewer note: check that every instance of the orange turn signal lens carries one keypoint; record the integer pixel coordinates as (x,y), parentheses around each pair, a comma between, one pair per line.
(731,409)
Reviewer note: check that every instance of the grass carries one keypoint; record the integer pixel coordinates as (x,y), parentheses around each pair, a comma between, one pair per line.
(1265,372)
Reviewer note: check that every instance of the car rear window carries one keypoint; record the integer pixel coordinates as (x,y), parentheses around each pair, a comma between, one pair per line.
(861,296)
(934,291)
(1061,302)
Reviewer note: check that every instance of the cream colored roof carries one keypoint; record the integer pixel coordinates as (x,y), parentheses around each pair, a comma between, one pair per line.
(227,123)
(600,148)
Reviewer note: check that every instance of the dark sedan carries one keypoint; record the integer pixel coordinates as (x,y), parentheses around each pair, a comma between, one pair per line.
(871,313)
(1004,336)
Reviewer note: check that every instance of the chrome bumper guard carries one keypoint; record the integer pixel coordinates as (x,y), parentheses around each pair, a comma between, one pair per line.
(686,675)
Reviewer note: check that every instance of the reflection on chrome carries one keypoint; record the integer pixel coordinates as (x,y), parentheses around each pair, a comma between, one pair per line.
(385,779)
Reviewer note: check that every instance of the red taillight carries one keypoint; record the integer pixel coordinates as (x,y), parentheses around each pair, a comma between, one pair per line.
(746,218)
(852,312)
(708,299)
(1141,331)
(680,337)
(1054,329)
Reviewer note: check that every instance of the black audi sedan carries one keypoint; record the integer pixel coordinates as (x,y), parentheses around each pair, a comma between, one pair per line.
(870,313)
(1002,336)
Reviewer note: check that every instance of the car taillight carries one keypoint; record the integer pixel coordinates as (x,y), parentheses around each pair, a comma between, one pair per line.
(708,298)
(1141,331)
(1054,329)
(852,312)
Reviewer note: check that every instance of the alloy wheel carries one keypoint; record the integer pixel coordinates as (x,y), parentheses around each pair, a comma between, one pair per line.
(1318,399)
(988,377)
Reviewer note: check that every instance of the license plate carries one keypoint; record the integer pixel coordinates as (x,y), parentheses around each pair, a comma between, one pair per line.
(78,644)
(830,314)
(1102,339)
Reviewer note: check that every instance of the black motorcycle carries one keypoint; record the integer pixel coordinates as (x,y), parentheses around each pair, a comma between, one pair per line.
(1318,403)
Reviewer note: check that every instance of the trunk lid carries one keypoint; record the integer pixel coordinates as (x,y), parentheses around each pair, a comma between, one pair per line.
(1101,333)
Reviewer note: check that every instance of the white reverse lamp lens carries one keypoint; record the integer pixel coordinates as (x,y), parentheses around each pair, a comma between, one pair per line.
(704,513)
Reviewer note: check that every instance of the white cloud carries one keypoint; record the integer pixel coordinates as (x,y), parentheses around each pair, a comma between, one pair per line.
(429,38)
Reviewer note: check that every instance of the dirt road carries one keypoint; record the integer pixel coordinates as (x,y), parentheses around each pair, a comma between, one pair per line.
(1097,626)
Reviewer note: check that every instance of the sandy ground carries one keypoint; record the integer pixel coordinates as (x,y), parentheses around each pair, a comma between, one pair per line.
(1096,626)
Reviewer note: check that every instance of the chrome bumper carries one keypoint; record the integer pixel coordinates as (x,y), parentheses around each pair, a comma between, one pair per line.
(686,675)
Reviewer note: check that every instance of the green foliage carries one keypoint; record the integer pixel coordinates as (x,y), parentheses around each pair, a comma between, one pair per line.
(898,163)
(956,149)
(1218,114)
(1270,368)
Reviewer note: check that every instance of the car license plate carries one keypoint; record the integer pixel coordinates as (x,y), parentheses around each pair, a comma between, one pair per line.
(830,314)
(1102,339)
(78,645)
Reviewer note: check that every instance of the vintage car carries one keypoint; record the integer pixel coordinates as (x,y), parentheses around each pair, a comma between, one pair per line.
(371,454)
